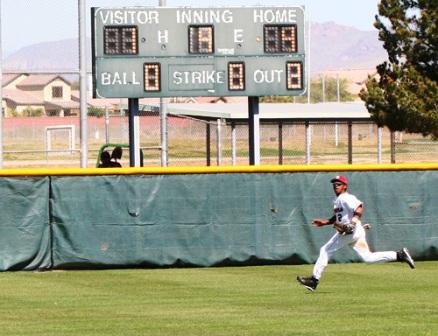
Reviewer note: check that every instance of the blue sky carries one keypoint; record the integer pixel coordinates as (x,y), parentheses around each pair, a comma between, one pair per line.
(26,22)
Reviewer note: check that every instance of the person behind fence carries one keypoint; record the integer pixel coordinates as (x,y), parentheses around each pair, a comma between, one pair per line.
(349,232)
(116,155)
(105,159)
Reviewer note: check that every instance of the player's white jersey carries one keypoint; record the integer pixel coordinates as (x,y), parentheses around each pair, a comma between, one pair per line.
(344,206)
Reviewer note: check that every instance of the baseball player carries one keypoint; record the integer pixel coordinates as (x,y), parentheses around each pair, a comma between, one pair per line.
(349,232)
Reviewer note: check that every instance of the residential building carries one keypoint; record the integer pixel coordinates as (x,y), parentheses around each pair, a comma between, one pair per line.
(39,94)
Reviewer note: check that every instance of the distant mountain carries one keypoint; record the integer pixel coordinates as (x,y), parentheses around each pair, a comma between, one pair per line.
(56,55)
(336,47)
(333,47)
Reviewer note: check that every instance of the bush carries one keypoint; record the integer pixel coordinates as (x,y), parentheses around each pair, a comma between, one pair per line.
(31,112)
(27,112)
(96,112)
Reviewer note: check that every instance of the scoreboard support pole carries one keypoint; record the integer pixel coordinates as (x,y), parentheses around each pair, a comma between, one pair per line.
(254,130)
(134,134)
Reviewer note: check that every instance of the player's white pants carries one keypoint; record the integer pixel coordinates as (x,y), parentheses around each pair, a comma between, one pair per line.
(357,241)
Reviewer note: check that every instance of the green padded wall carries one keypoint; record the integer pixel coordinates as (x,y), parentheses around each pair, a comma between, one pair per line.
(205,219)
(210,219)
(24,223)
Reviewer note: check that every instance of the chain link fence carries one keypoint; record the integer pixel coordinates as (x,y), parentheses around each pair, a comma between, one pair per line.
(54,142)
(289,144)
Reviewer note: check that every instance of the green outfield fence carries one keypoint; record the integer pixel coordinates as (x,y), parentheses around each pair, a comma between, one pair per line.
(204,216)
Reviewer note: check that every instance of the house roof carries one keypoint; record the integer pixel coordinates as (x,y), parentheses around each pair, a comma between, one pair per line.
(39,80)
(21,97)
(62,105)
(7,78)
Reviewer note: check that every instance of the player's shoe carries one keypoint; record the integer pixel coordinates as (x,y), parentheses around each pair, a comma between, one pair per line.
(404,256)
(310,283)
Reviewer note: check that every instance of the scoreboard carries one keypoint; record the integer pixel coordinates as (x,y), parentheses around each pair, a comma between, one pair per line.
(140,52)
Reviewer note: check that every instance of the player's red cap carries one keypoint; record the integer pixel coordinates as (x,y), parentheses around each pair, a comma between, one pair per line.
(340,178)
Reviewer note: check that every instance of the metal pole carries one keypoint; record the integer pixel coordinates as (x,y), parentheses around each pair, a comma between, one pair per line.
(338,96)
(233,144)
(280,143)
(164,132)
(218,143)
(254,130)
(163,120)
(379,144)
(350,142)
(392,140)
(208,144)
(134,139)
(83,83)
(308,56)
(1,91)
(308,141)
(106,125)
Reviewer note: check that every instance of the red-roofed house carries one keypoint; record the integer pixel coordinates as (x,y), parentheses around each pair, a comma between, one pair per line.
(50,93)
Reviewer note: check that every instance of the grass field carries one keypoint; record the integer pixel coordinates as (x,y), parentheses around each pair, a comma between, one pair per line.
(352,299)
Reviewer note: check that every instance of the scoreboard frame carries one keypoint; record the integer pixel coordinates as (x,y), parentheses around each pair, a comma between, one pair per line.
(141,52)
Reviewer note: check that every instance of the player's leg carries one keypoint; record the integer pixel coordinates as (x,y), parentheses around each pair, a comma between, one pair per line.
(335,243)
(361,247)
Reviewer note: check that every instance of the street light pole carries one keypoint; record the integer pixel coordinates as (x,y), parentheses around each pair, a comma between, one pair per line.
(83,84)
(163,120)
(1,92)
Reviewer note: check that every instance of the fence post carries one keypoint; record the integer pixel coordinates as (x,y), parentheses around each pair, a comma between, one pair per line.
(350,142)
(164,132)
(233,144)
(106,125)
(219,142)
(280,143)
(392,140)
(308,141)
(379,144)
(208,142)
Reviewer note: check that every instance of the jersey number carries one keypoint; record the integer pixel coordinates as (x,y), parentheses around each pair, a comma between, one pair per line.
(339,215)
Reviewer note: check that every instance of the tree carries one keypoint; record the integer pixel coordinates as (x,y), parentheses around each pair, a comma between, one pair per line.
(404,97)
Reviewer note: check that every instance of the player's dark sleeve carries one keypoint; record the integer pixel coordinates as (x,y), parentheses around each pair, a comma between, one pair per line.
(332,219)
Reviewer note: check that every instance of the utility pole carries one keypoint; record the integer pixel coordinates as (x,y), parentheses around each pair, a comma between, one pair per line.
(1,92)
(163,120)
(83,84)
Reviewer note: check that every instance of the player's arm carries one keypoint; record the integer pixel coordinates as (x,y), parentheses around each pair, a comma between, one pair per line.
(322,222)
(357,214)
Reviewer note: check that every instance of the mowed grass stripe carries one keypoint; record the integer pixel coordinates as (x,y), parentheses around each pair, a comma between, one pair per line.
(352,299)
